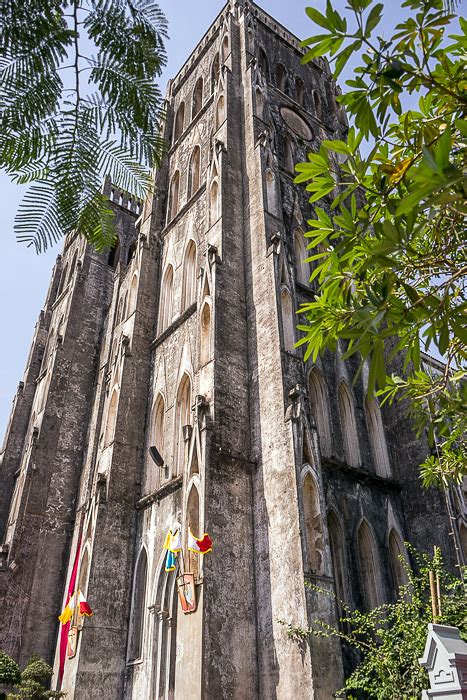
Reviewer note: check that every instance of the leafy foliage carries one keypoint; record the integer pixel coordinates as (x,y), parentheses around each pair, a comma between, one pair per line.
(62,135)
(391,263)
(34,679)
(391,638)
(9,670)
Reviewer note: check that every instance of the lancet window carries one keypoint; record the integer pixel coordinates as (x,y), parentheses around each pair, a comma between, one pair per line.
(138,608)
(369,567)
(348,425)
(320,409)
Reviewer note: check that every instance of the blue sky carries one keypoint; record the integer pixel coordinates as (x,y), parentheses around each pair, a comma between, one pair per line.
(25,276)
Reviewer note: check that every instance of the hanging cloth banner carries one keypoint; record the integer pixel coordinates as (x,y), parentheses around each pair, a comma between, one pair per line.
(83,606)
(173,545)
(200,545)
(66,625)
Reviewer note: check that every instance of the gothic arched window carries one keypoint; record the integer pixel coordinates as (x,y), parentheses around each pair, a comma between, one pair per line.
(377,437)
(179,121)
(138,608)
(396,550)
(369,567)
(133,293)
(288,316)
(320,409)
(302,267)
(197,98)
(348,425)
(111,418)
(205,338)
(263,63)
(220,111)
(317,104)
(336,540)
(63,279)
(289,155)
(313,525)
(271,194)
(194,172)
(166,305)
(174,195)
(281,77)
(114,254)
(225,47)
(299,91)
(214,200)
(158,424)
(182,420)
(193,522)
(259,99)
(189,276)
(215,72)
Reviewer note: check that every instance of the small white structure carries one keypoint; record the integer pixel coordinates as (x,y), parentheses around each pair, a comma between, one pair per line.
(445,659)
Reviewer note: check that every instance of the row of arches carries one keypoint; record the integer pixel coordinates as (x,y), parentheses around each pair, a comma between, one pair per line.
(197,96)
(189,270)
(319,405)
(194,182)
(369,556)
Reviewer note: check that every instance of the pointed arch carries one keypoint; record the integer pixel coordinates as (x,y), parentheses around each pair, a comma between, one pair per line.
(63,280)
(83,572)
(287,316)
(289,155)
(179,121)
(174,195)
(138,608)
(197,101)
(377,437)
(114,254)
(220,111)
(189,276)
(165,634)
(271,193)
(158,436)
(133,292)
(111,417)
(397,550)
(193,523)
(194,172)
(131,252)
(313,524)
(317,105)
(259,103)
(263,64)
(281,78)
(302,267)
(214,201)
(348,424)
(225,48)
(183,418)
(299,91)
(337,545)
(73,265)
(166,304)
(215,73)
(205,334)
(319,404)
(369,567)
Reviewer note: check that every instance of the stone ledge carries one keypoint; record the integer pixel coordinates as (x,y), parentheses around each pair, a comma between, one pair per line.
(359,474)
(173,326)
(160,493)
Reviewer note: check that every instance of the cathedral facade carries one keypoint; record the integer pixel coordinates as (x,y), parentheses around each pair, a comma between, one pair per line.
(163,392)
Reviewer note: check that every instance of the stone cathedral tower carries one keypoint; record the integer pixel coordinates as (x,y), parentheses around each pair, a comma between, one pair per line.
(183,339)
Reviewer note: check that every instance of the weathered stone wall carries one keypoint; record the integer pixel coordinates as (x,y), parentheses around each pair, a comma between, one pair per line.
(256,472)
